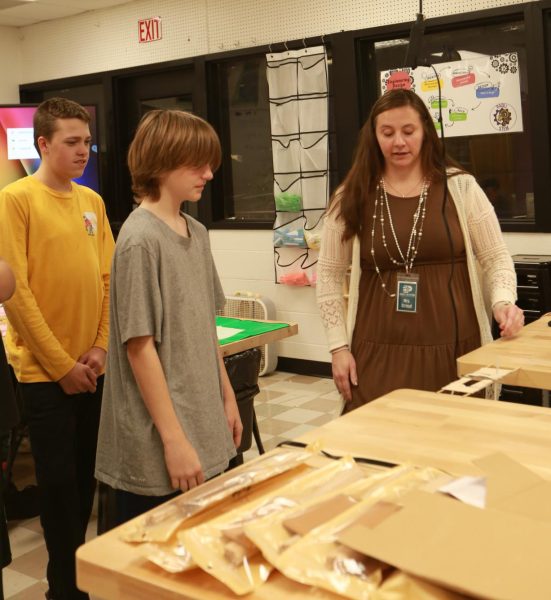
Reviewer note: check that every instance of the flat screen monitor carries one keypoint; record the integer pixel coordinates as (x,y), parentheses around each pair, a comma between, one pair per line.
(18,156)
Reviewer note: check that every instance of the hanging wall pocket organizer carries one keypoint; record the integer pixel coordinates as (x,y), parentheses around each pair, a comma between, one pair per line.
(298,85)
(289,230)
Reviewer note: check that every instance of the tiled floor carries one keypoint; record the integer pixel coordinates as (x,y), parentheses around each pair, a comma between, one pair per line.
(290,405)
(287,406)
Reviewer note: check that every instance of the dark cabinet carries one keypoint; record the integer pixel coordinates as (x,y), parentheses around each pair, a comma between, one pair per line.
(534,297)
(533,284)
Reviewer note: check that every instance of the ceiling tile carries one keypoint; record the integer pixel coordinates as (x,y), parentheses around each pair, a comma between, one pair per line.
(16,13)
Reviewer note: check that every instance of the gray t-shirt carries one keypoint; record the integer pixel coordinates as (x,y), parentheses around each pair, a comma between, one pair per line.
(164,285)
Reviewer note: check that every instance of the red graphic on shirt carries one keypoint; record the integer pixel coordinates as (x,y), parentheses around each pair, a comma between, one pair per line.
(89,226)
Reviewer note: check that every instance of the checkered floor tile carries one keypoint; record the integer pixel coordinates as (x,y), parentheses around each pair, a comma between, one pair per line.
(287,406)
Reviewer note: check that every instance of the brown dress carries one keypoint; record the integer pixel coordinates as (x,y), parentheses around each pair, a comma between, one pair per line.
(414,350)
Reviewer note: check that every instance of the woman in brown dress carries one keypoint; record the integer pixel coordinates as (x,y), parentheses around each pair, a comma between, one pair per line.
(418,231)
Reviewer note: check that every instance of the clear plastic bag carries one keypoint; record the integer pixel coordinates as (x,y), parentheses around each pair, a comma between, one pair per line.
(317,558)
(159,524)
(174,558)
(220,546)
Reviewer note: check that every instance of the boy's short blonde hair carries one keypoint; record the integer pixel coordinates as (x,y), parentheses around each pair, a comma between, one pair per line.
(166,140)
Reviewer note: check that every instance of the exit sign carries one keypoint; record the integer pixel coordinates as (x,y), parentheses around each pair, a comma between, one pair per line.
(149,30)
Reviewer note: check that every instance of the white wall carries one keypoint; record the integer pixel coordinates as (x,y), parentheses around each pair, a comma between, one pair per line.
(107,39)
(10,65)
(528,243)
(248,264)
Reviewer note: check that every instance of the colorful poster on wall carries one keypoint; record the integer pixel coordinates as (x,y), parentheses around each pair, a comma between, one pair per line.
(478,95)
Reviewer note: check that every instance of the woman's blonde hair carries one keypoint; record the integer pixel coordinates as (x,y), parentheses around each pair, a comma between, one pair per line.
(166,140)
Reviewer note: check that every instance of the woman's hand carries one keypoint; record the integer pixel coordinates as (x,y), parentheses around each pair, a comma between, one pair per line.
(509,317)
(344,372)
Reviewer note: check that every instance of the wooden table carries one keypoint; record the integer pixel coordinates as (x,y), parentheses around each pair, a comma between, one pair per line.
(438,430)
(529,352)
(256,341)
(422,428)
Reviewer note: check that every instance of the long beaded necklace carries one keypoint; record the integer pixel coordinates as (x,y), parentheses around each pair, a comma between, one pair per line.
(382,205)
(406,194)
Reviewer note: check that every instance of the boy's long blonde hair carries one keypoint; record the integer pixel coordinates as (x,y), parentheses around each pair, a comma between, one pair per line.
(166,140)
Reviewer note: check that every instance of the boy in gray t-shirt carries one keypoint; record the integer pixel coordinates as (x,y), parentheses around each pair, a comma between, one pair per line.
(169,418)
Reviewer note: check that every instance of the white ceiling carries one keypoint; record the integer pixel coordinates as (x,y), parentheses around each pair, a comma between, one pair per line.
(18,13)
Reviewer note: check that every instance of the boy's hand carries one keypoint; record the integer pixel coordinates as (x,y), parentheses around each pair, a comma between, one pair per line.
(233,417)
(81,378)
(183,465)
(95,359)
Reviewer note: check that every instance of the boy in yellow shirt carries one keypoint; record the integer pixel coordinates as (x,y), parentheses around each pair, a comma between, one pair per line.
(55,235)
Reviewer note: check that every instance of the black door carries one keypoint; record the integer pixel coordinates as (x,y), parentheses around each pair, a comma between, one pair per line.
(134,96)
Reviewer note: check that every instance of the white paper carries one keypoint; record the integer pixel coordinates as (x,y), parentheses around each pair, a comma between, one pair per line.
(470,490)
(225,332)
(20,142)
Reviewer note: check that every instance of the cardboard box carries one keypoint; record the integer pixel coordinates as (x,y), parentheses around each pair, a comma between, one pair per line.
(502,551)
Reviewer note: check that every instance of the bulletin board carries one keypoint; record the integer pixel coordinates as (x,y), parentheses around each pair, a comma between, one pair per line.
(478,95)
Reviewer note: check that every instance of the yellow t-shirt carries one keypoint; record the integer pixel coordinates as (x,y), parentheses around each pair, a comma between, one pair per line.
(59,246)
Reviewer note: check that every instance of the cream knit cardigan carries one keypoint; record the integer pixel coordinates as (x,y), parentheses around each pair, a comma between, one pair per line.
(491,270)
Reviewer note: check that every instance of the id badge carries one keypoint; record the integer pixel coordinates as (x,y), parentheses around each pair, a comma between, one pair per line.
(407,285)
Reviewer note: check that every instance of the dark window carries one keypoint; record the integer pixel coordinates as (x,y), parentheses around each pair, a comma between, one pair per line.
(240,111)
(137,93)
(171,103)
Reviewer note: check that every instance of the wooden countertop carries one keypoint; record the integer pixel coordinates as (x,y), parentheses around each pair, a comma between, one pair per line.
(439,430)
(422,428)
(529,352)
